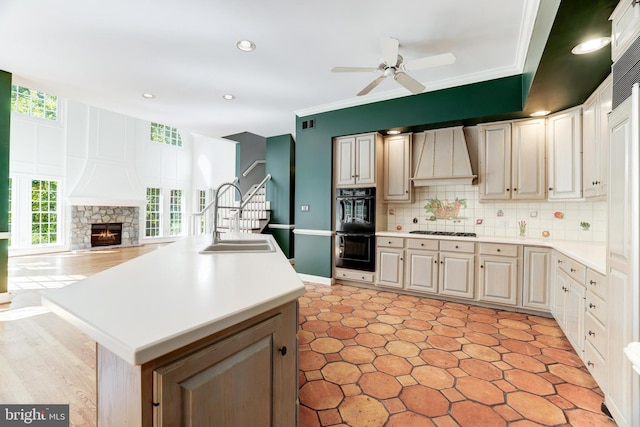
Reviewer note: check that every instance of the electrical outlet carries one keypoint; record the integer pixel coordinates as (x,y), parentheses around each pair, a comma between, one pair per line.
(304,208)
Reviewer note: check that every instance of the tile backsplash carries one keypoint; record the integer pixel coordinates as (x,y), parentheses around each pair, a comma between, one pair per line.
(456,208)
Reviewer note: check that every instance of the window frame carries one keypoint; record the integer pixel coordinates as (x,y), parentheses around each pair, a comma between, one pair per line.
(165,135)
(176,193)
(158,212)
(16,95)
(47,213)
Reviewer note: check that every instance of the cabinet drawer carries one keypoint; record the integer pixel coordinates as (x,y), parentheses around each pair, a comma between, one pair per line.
(596,365)
(456,246)
(596,283)
(355,275)
(574,269)
(498,249)
(391,242)
(595,333)
(427,244)
(597,307)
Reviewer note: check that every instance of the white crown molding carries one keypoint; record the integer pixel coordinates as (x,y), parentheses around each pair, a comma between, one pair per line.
(530,11)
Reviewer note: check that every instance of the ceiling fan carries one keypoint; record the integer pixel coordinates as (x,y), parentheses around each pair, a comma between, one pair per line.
(393,65)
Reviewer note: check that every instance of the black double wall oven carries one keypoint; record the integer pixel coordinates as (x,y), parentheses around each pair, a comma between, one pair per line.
(355,246)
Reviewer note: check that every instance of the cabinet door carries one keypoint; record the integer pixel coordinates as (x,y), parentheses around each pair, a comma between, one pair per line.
(564,138)
(605,103)
(365,161)
(397,168)
(422,271)
(456,274)
(560,288)
(574,315)
(535,285)
(498,281)
(390,267)
(625,27)
(528,167)
(590,148)
(345,161)
(230,383)
(495,161)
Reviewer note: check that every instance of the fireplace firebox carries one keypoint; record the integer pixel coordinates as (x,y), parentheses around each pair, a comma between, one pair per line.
(106,234)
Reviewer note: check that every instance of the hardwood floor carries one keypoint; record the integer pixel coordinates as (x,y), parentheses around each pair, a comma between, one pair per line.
(43,359)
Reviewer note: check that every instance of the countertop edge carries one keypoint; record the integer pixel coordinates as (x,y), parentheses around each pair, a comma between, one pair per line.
(568,248)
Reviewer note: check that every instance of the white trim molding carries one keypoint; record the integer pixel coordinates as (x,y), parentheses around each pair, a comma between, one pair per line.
(328,281)
(307,232)
(282,226)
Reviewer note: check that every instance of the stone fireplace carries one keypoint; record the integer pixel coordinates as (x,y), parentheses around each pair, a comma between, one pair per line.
(106,221)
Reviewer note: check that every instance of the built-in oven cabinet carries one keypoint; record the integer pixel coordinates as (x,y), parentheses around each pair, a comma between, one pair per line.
(356,161)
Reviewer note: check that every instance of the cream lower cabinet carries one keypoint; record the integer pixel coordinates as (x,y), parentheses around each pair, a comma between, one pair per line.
(422,266)
(595,347)
(498,273)
(569,299)
(536,278)
(457,269)
(390,262)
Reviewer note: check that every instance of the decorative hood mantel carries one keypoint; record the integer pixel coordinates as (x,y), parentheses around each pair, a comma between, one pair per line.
(441,157)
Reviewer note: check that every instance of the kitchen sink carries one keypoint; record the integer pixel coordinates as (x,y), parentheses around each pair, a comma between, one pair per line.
(238,246)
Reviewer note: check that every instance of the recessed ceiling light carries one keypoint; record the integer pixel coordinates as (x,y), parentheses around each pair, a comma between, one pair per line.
(393,132)
(228,97)
(246,45)
(540,113)
(591,45)
(148,95)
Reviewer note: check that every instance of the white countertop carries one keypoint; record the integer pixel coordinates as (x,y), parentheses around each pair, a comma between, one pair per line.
(173,296)
(592,255)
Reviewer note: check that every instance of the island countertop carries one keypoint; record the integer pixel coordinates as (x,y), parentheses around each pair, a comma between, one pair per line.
(173,296)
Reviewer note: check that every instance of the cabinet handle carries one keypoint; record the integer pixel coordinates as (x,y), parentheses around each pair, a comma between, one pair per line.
(573,270)
(591,305)
(507,189)
(362,277)
(597,182)
(591,282)
(498,249)
(283,350)
(590,363)
(435,261)
(565,289)
(515,189)
(441,262)
(401,259)
(457,247)
(388,243)
(559,261)
(482,266)
(591,333)
(550,189)
(421,244)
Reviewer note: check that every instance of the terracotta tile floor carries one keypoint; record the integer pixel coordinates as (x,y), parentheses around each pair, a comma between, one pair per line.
(376,358)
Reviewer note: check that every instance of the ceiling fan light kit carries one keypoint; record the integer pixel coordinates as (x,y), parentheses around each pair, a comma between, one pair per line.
(393,65)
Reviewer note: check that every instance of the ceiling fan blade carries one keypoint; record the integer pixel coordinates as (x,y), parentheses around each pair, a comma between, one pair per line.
(353,69)
(430,61)
(371,85)
(390,48)
(409,82)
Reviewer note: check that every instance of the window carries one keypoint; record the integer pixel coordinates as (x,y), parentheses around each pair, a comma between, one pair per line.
(175,213)
(44,212)
(165,135)
(34,103)
(152,222)
(202,203)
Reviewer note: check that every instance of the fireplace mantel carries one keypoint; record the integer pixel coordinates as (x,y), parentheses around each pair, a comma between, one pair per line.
(82,216)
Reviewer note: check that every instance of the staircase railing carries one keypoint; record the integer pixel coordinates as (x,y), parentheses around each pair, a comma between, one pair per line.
(244,216)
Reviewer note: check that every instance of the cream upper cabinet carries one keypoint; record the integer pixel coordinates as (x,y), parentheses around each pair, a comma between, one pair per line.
(625,27)
(355,160)
(595,141)
(564,141)
(397,168)
(512,160)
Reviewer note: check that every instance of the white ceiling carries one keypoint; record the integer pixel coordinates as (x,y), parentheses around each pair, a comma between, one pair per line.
(107,53)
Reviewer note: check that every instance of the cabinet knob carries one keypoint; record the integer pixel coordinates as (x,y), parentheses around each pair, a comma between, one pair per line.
(482,266)
(435,261)
(591,305)
(457,247)
(591,282)
(591,333)
(283,350)
(508,189)
(550,189)
(573,270)
(597,182)
(421,244)
(441,262)
(498,249)
(590,363)
(515,189)
(559,261)
(401,259)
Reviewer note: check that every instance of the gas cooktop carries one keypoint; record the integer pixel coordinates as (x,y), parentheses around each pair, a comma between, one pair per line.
(444,233)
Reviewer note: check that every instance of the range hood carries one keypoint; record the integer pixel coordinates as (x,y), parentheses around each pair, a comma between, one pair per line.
(441,157)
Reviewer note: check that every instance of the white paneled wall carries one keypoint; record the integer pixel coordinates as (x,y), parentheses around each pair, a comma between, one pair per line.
(501,219)
(107,158)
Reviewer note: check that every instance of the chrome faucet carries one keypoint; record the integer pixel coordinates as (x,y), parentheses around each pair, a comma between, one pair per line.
(216,233)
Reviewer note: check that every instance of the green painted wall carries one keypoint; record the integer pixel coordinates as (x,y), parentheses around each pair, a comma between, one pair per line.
(280,158)
(5,120)
(314,148)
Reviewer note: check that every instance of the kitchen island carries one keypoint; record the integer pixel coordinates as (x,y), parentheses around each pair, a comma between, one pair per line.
(209,338)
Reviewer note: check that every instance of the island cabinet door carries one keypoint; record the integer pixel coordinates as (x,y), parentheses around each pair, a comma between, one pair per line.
(234,382)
